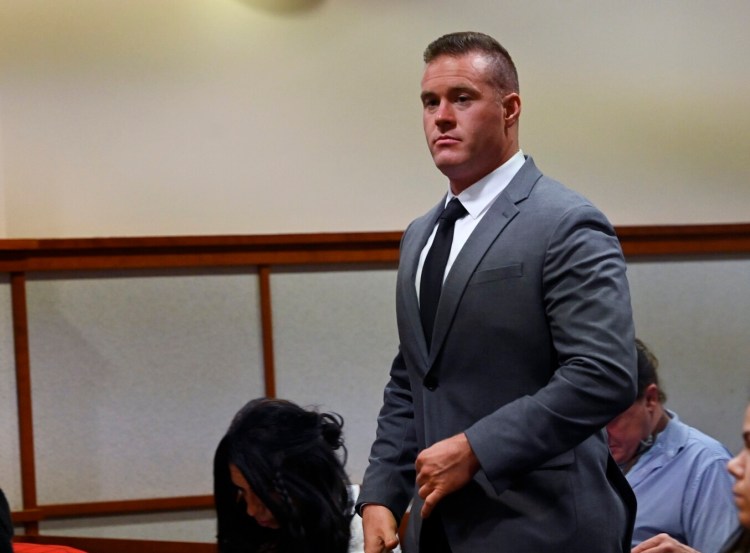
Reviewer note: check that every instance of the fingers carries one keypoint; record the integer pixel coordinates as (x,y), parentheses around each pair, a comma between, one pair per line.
(379,528)
(650,544)
(431,496)
(443,468)
(662,543)
(391,543)
(376,547)
(380,546)
(427,489)
(430,502)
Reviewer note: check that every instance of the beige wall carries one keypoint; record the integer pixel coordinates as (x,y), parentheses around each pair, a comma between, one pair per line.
(151,117)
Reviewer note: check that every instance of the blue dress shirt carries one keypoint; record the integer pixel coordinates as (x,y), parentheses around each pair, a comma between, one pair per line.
(683,488)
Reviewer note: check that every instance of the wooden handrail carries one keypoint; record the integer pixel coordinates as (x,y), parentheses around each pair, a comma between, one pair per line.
(23,255)
(125,507)
(113,508)
(197,251)
(674,240)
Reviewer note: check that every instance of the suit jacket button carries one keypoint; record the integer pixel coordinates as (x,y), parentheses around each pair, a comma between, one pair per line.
(430,382)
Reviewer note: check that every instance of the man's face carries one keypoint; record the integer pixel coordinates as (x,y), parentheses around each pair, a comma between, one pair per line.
(627,430)
(470,129)
(739,467)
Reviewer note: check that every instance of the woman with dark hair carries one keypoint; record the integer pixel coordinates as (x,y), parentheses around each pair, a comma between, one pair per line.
(739,468)
(279,485)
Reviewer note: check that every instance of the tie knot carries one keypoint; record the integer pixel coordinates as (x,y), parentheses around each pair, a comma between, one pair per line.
(453,211)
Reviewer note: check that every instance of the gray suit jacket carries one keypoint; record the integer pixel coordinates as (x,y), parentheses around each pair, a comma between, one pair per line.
(532,355)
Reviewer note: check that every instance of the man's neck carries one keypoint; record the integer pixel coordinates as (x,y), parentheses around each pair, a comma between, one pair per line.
(459,185)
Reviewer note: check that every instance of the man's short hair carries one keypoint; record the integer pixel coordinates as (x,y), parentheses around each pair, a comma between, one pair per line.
(504,74)
(647,375)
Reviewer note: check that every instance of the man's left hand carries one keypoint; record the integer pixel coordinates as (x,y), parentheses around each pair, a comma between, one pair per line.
(444,468)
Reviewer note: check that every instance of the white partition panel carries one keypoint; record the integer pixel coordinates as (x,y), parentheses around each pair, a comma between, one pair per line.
(335,334)
(135,379)
(695,315)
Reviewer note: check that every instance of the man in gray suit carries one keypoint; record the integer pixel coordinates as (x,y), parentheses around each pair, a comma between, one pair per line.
(492,418)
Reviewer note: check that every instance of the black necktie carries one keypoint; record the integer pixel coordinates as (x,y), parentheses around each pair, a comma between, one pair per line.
(434,266)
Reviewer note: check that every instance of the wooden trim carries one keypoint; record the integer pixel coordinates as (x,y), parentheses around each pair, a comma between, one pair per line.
(63,254)
(23,395)
(197,251)
(126,507)
(113,508)
(26,515)
(266,317)
(110,545)
(684,240)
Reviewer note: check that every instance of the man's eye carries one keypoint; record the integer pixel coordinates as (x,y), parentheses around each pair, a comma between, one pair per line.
(463,99)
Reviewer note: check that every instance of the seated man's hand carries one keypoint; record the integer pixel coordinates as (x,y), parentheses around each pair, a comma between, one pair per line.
(380,529)
(662,543)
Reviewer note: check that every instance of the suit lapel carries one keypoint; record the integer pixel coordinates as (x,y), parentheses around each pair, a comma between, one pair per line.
(410,323)
(500,213)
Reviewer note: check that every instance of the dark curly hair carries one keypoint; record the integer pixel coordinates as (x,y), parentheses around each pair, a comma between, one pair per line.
(288,456)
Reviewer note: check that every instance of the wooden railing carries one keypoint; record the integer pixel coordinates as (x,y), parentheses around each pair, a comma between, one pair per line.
(261,252)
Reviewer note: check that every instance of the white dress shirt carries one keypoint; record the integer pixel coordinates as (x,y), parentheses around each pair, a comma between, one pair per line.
(477,200)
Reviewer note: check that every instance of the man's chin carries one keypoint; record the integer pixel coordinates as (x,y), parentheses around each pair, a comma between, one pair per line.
(447,157)
(449,165)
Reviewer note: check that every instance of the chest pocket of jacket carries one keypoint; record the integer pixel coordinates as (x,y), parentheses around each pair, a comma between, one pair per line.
(497,273)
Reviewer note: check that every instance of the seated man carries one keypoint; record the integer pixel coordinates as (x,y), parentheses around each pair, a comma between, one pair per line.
(678,473)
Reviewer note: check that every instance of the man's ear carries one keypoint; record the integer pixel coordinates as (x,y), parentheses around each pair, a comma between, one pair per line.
(512,105)
(651,394)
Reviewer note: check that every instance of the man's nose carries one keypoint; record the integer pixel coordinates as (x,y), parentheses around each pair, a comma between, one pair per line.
(444,113)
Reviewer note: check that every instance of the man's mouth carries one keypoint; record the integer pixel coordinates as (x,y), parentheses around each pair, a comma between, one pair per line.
(444,140)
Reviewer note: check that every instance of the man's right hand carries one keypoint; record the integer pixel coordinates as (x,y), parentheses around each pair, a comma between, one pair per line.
(380,529)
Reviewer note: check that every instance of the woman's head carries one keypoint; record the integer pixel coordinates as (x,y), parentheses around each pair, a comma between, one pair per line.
(739,468)
(278,464)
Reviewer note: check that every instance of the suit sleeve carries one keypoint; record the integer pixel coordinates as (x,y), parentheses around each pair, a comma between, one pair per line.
(390,475)
(586,302)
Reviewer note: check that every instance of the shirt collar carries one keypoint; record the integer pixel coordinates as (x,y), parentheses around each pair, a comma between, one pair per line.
(669,441)
(478,197)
